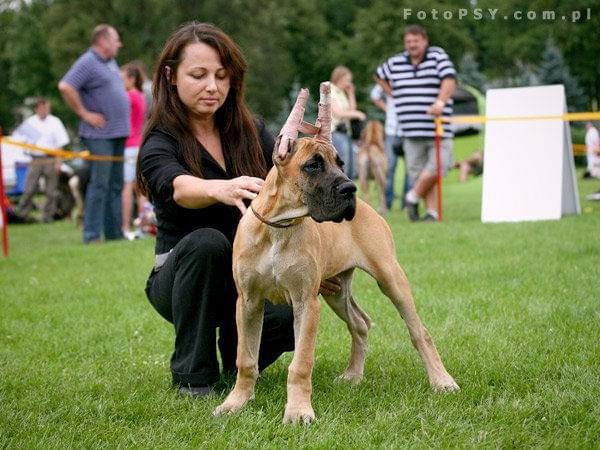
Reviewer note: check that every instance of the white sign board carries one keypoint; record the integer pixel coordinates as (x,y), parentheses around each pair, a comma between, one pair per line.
(528,168)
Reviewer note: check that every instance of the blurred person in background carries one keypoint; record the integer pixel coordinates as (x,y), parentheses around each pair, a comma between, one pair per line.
(133,80)
(592,150)
(44,130)
(94,90)
(421,80)
(343,109)
(392,143)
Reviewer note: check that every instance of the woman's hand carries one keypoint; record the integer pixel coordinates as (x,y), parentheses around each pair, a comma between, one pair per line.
(331,286)
(194,192)
(233,192)
(349,89)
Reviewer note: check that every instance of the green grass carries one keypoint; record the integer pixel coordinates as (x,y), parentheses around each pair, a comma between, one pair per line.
(513,308)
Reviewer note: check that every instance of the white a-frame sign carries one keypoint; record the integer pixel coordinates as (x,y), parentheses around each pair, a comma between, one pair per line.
(528,171)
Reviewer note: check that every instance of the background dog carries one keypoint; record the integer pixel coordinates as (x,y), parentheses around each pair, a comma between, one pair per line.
(372,162)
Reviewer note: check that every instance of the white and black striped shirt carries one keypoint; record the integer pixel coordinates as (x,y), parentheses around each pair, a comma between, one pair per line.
(415,89)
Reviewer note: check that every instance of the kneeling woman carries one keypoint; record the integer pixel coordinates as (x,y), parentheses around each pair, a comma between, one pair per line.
(202,156)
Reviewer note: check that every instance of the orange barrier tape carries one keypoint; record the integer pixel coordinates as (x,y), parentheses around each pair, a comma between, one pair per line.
(579,149)
(64,154)
(571,117)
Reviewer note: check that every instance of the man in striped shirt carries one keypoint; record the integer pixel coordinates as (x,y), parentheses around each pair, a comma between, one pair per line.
(421,81)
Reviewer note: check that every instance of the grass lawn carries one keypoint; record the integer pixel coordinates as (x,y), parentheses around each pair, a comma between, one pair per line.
(513,308)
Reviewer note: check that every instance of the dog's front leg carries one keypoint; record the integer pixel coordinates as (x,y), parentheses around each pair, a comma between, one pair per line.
(299,386)
(249,319)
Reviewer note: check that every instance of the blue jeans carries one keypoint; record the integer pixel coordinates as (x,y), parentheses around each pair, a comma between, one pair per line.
(103,196)
(392,158)
(343,145)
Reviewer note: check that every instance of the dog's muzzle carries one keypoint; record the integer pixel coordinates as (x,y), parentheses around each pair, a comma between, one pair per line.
(333,201)
(347,191)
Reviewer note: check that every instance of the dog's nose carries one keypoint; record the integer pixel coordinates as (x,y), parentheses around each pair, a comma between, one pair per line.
(347,188)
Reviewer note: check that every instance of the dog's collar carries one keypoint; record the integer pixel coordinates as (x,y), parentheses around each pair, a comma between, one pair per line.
(277,224)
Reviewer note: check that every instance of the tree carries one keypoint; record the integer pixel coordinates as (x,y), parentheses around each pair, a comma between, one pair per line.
(554,70)
(8,98)
(468,72)
(28,56)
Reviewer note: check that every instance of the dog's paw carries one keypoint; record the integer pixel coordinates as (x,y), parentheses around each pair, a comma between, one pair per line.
(304,415)
(445,385)
(350,377)
(232,404)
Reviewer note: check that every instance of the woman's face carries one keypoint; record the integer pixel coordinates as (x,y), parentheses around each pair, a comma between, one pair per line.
(202,81)
(345,82)
(128,81)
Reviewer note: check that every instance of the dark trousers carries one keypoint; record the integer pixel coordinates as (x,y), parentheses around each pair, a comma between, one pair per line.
(194,290)
(103,195)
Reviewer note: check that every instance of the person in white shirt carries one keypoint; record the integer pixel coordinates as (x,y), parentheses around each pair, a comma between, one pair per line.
(43,130)
(592,148)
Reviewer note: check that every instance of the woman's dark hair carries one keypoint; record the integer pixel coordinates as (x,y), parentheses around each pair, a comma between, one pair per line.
(132,70)
(239,136)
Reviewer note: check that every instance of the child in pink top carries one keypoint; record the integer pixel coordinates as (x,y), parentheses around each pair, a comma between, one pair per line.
(133,79)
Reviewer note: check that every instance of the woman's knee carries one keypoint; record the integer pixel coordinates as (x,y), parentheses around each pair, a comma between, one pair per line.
(206,243)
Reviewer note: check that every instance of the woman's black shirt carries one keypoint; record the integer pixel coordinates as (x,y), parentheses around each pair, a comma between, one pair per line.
(161,162)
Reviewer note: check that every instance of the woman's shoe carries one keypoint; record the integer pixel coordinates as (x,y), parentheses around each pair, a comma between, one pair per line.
(196,392)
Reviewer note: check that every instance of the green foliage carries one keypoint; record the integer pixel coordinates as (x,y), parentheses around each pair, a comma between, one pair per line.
(307,42)
(469,73)
(294,42)
(554,70)
(28,56)
(7,96)
(270,64)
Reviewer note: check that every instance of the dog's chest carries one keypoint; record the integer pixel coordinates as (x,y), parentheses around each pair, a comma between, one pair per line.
(275,272)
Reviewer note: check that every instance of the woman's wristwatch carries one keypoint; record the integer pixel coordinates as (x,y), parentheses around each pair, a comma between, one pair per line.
(439,103)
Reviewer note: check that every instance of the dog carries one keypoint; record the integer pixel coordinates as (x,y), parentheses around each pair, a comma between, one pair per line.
(372,162)
(306,226)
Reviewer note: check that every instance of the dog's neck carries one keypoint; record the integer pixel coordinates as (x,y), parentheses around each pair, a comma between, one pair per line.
(276,203)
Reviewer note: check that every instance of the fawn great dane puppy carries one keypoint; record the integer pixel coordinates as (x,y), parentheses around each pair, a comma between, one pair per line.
(306,226)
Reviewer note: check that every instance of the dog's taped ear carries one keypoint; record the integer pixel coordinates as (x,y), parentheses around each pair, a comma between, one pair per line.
(290,129)
(324,115)
(284,149)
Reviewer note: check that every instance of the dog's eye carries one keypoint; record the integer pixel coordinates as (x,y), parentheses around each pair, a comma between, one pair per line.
(339,161)
(313,165)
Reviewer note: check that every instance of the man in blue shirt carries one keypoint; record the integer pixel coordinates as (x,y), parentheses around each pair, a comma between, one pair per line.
(94,90)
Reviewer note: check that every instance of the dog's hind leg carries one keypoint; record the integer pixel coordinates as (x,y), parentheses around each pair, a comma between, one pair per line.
(249,318)
(358,323)
(379,173)
(363,175)
(382,265)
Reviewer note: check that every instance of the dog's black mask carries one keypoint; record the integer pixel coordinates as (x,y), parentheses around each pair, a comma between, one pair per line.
(329,194)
